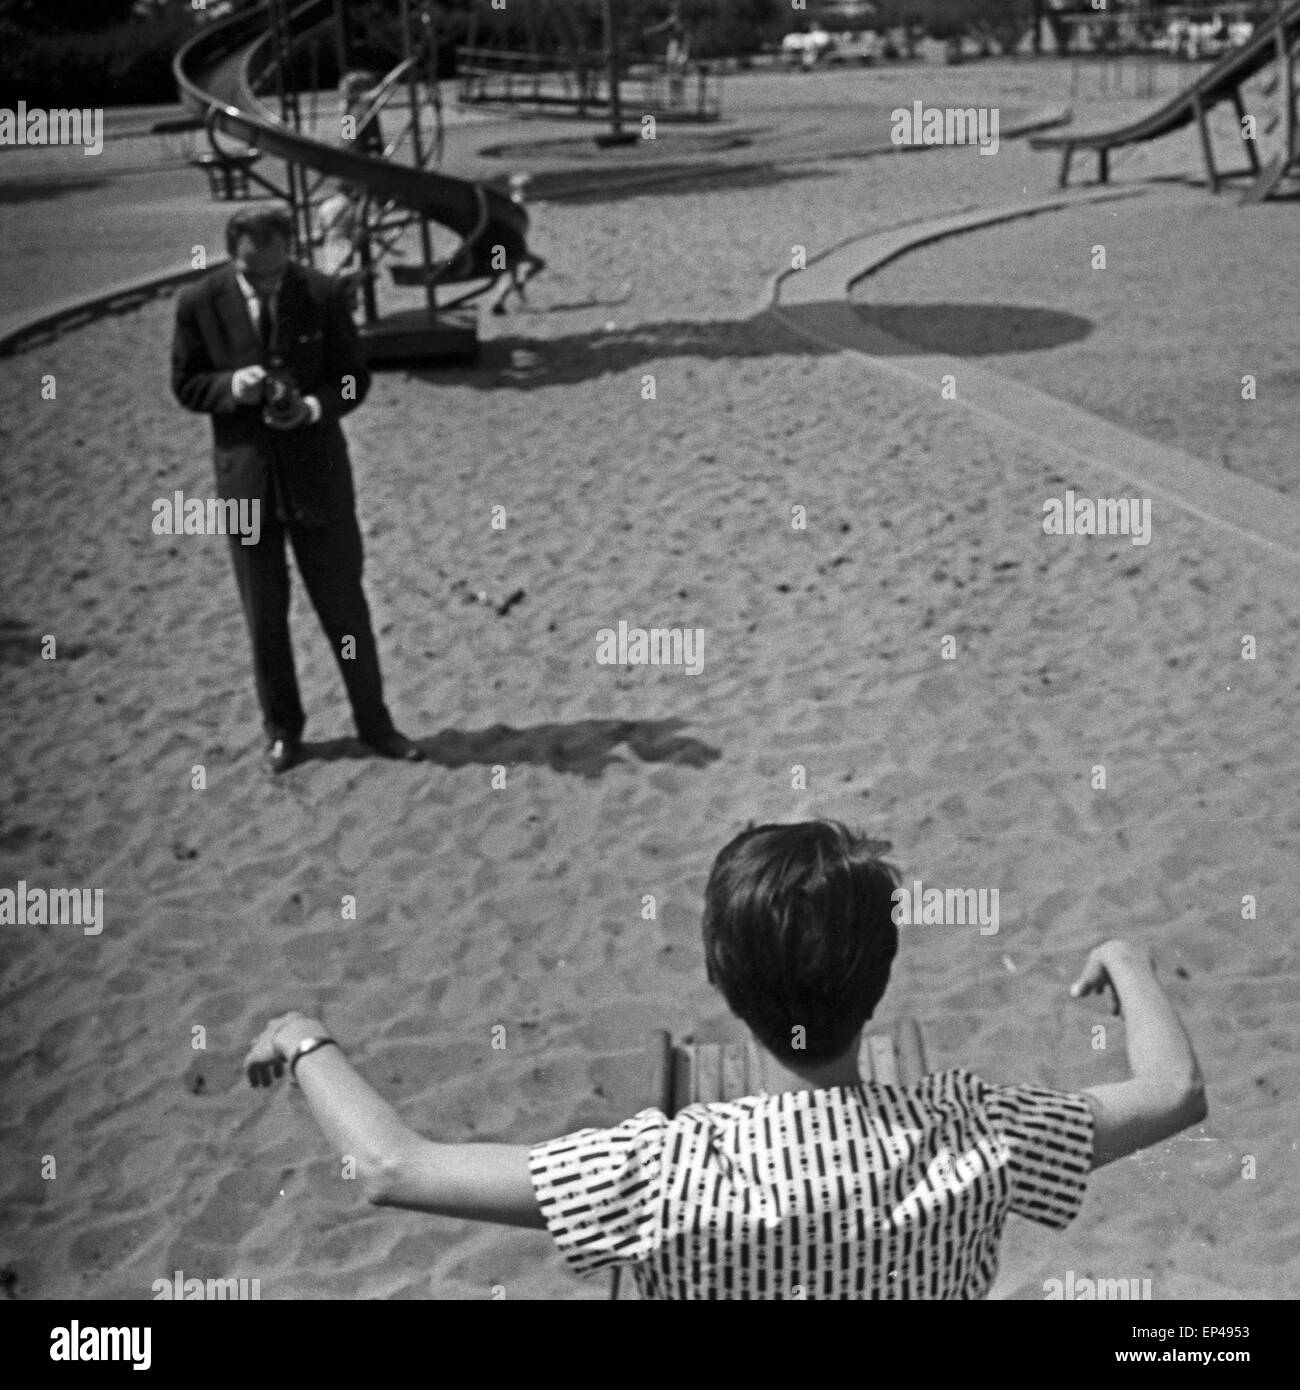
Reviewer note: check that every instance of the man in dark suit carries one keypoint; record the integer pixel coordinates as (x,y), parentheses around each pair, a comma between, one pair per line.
(268,349)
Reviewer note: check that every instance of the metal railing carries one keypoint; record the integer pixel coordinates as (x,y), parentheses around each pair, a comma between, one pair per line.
(579,82)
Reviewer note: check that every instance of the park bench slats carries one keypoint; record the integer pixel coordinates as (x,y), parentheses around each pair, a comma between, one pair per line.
(688,1073)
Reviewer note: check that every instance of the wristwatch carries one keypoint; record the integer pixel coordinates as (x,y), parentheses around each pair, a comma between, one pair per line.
(304,1047)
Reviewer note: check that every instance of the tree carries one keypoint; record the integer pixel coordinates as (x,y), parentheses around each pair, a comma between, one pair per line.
(1003,22)
(61,16)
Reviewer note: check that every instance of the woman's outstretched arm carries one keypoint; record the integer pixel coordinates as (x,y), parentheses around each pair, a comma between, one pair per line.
(397,1167)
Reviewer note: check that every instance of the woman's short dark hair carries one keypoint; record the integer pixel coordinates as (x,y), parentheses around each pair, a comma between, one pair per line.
(261,226)
(799,934)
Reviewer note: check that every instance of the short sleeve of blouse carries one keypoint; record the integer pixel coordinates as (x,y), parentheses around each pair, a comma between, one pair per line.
(1048,1137)
(598,1190)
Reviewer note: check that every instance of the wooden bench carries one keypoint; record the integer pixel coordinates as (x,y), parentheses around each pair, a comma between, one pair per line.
(690,1073)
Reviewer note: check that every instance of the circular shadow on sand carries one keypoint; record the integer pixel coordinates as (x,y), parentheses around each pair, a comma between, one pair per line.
(976,330)
(661,180)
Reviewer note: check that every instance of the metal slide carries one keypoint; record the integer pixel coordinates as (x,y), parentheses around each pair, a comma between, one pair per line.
(215,72)
(1221,82)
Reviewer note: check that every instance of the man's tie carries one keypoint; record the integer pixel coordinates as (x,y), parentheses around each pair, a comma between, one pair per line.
(265,319)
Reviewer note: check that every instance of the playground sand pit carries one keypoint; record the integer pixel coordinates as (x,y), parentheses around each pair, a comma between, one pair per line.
(648,449)
(1190,302)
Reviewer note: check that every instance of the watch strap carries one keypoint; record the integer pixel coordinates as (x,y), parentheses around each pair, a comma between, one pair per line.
(304,1047)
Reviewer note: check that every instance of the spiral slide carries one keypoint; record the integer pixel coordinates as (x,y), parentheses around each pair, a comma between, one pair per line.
(215,72)
(1222,82)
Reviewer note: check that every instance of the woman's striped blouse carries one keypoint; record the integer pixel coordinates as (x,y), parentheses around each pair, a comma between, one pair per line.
(867,1191)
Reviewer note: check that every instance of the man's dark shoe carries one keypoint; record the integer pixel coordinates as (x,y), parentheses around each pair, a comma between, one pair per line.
(397,745)
(281,754)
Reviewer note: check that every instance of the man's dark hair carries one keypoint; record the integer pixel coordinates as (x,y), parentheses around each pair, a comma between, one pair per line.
(261,226)
(799,932)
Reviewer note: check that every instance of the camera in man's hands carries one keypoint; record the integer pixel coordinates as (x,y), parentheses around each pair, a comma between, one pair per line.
(281,399)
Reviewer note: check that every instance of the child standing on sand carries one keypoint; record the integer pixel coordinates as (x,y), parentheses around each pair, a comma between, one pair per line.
(339,221)
(829,1189)
(515,277)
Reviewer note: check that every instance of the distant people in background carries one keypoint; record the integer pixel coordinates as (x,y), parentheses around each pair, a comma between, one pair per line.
(338,226)
(1188,39)
(678,52)
(522,269)
(817,42)
(1062,32)
(340,219)
(809,47)
(365,135)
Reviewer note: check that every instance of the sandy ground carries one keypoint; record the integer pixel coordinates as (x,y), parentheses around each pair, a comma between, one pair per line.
(520,907)
(1194,297)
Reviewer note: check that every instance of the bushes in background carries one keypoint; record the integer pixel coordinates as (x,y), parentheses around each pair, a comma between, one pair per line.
(123,64)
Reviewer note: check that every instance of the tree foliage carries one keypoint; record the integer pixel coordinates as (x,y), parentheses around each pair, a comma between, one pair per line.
(64,16)
(126,61)
(1004,22)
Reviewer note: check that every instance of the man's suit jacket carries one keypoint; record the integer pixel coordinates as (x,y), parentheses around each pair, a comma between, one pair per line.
(304,470)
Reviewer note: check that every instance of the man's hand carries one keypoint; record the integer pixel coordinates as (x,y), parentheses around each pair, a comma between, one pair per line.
(276,1044)
(1105,969)
(246,384)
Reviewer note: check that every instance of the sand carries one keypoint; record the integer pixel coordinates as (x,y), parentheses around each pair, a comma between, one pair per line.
(521,906)
(1161,339)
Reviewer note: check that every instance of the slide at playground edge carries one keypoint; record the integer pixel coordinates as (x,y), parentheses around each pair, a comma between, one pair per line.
(1218,83)
(215,73)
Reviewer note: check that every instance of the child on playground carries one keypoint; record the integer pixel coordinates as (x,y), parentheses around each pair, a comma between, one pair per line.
(829,1189)
(364,133)
(678,51)
(339,221)
(523,264)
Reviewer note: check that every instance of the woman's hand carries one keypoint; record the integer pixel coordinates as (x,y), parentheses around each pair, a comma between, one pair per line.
(1107,967)
(270,1054)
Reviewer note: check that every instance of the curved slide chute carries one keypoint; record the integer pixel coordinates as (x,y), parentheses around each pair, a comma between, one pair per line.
(1221,82)
(215,74)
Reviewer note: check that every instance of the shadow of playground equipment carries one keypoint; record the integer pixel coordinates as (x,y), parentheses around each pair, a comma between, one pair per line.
(38,190)
(974,330)
(615,185)
(526,364)
(585,748)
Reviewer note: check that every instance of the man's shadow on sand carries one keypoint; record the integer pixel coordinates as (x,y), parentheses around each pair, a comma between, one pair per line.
(585,748)
(516,362)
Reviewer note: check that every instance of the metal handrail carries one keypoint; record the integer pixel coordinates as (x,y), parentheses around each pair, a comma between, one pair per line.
(456,203)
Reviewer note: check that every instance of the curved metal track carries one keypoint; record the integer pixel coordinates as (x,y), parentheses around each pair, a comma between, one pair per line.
(214,74)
